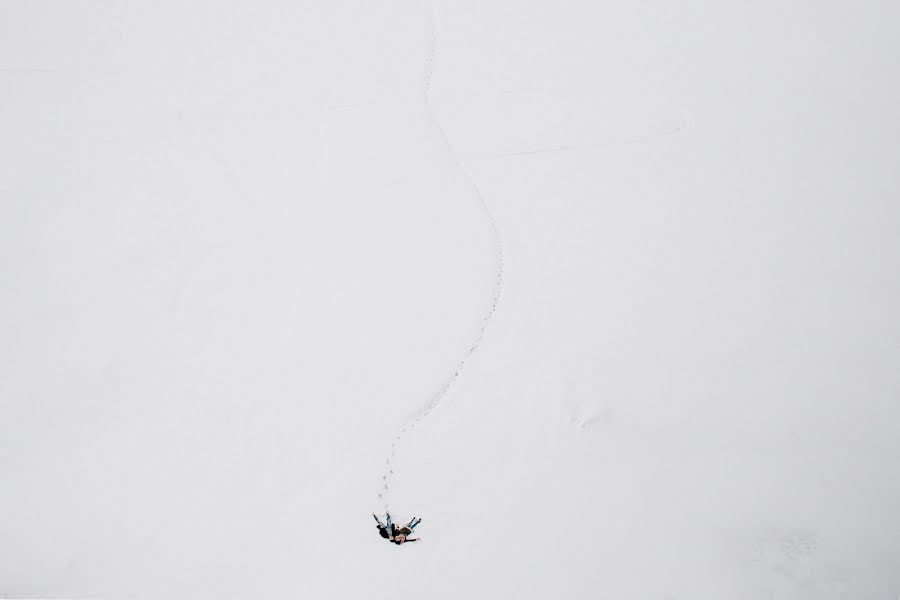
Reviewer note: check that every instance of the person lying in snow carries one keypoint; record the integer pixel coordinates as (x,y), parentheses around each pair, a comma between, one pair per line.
(398,535)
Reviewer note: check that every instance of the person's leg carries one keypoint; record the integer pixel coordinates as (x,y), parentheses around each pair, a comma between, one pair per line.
(389,521)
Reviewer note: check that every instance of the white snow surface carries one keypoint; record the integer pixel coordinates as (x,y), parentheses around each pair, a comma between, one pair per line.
(238,254)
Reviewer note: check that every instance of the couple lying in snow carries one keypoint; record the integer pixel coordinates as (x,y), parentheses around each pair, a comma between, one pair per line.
(398,535)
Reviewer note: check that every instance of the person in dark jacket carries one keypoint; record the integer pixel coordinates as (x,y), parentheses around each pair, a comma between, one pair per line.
(397,535)
(384,530)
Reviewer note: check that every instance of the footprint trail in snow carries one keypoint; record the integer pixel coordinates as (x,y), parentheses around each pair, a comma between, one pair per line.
(436,400)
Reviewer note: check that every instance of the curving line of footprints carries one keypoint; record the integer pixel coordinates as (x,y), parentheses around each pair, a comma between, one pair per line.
(437,399)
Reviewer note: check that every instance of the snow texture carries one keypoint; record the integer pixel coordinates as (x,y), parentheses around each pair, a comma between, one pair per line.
(244,244)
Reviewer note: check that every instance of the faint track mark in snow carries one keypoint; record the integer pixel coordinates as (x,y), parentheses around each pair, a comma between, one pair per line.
(606,418)
(786,564)
(781,550)
(438,398)
(234,174)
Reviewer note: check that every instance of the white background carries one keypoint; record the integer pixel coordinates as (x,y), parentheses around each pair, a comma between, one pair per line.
(236,255)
